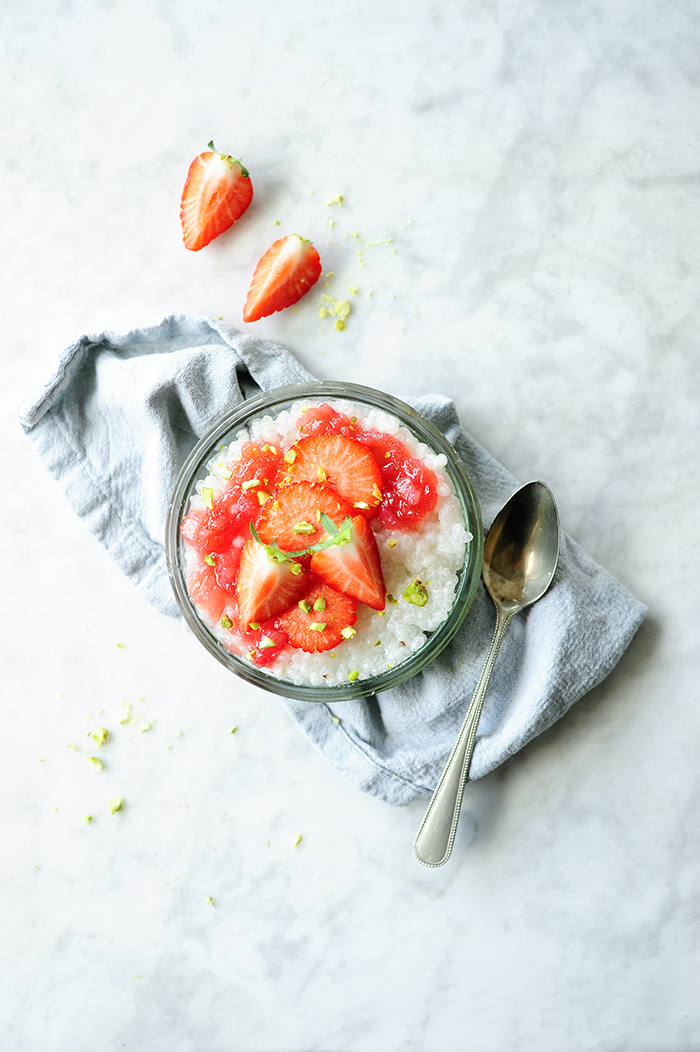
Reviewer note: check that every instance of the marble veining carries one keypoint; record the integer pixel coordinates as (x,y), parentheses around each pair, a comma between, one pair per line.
(520,183)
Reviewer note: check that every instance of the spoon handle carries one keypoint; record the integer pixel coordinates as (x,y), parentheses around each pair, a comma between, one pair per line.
(433,844)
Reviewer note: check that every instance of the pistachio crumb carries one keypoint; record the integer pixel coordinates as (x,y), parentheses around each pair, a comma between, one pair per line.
(352,676)
(115,804)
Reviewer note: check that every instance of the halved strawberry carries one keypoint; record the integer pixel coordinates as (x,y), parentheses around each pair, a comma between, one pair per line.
(317,621)
(352,565)
(284,274)
(344,464)
(217,192)
(293,517)
(267,585)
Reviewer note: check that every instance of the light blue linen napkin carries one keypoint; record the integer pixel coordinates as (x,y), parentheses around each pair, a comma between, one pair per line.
(113,427)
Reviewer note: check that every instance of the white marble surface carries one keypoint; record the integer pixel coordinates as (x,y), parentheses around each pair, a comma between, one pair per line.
(535,166)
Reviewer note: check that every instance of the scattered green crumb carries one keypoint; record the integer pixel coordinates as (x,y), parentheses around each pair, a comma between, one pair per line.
(115,804)
(416,593)
(97,764)
(336,719)
(378,643)
(226,621)
(390,599)
(120,645)
(352,676)
(277,222)
(298,840)
(232,730)
(348,632)
(208,497)
(210,901)
(335,200)
(320,604)
(88,818)
(210,560)
(101,735)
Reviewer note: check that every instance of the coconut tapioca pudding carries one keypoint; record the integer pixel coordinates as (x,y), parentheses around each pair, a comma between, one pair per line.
(325,544)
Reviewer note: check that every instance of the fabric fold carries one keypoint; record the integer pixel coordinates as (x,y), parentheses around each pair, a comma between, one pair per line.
(114,425)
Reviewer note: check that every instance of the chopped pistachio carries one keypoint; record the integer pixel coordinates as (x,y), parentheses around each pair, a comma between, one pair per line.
(339,325)
(321,474)
(335,200)
(377,492)
(250,654)
(101,735)
(320,604)
(378,643)
(416,593)
(210,560)
(208,496)
(250,484)
(88,818)
(304,605)
(263,495)
(348,633)
(361,504)
(318,626)
(297,569)
(270,449)
(303,527)
(352,676)
(265,643)
(227,474)
(210,901)
(97,764)
(393,542)
(115,804)
(254,625)
(120,645)
(226,621)
(353,289)
(390,599)
(290,456)
(298,840)
(232,730)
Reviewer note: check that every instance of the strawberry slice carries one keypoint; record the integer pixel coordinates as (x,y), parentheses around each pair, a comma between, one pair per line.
(267,583)
(317,621)
(217,192)
(351,564)
(343,463)
(293,517)
(284,274)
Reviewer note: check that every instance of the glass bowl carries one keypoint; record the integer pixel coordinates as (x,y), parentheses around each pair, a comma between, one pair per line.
(268,406)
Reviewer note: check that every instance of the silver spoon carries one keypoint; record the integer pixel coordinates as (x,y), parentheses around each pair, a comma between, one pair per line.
(520,557)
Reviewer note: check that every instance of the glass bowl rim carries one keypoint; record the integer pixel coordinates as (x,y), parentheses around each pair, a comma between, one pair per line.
(424,430)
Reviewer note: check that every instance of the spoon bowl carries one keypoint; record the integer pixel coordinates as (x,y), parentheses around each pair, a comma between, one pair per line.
(521,552)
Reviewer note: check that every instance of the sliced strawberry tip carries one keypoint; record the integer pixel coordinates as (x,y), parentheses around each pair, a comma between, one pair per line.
(266,586)
(353,566)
